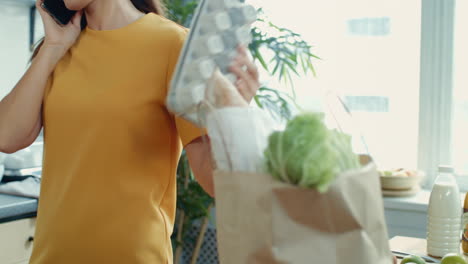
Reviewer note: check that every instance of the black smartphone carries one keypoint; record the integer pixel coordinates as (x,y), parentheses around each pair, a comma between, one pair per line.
(58,11)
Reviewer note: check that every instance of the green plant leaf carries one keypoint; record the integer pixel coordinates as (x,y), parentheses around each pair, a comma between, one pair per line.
(257,101)
(287,46)
(277,66)
(260,58)
(292,66)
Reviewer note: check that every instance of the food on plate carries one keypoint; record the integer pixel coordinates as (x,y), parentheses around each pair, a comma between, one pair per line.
(413,259)
(400,172)
(308,154)
(453,258)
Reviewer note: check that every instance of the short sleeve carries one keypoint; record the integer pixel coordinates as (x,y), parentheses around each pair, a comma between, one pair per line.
(187,130)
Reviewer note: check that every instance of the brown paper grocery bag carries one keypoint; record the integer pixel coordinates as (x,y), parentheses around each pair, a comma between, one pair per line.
(260,220)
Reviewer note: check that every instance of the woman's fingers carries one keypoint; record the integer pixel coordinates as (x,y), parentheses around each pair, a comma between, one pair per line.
(244,68)
(76,20)
(243,59)
(222,93)
(39,8)
(245,83)
(247,74)
(242,50)
(38,4)
(241,74)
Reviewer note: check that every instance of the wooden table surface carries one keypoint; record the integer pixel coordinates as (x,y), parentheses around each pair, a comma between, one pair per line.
(416,246)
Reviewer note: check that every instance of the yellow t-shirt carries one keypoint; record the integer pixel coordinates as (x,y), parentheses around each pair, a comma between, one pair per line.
(108,191)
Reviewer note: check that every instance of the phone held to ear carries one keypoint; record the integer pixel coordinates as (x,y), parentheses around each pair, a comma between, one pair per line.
(58,11)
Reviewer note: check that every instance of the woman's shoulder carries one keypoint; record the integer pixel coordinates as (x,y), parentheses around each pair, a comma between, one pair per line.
(161,28)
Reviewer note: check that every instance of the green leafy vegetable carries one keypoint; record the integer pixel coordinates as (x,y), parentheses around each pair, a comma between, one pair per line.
(308,154)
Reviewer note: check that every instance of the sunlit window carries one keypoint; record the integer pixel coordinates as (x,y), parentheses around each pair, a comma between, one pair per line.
(370,54)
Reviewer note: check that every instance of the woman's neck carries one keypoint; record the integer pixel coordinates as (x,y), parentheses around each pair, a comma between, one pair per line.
(111,14)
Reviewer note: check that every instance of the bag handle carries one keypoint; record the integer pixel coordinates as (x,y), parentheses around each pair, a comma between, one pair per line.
(331,96)
(206,104)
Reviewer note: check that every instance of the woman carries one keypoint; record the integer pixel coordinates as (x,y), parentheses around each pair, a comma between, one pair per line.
(108,191)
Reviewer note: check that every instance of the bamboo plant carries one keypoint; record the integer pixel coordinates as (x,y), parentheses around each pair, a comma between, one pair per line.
(280,52)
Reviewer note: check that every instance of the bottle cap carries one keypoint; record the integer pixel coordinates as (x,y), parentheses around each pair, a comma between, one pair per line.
(446,169)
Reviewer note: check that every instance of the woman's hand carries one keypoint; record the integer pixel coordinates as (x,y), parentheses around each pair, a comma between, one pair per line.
(248,81)
(222,93)
(60,37)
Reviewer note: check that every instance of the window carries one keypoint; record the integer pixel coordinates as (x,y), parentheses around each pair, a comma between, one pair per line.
(460,91)
(377,74)
(400,68)
(370,54)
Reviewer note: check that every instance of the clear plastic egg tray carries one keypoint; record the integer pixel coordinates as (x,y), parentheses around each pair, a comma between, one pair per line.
(217,28)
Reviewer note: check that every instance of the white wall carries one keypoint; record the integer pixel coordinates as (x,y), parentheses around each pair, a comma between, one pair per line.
(14,42)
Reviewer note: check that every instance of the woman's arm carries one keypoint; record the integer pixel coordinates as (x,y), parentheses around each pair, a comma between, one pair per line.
(199,150)
(20,110)
(199,156)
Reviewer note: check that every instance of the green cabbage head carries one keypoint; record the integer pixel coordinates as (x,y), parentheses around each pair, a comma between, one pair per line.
(308,154)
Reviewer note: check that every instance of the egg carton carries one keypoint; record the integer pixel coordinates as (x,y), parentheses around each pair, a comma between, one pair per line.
(217,28)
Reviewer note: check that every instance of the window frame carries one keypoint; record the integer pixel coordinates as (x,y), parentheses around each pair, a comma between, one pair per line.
(436,89)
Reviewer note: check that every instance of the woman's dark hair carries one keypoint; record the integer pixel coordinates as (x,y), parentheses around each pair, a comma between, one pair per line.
(145,6)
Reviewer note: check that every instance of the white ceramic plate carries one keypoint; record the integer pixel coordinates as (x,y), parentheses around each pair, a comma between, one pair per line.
(401,193)
(400,182)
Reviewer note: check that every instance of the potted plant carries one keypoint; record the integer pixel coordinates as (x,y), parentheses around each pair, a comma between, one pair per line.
(282,53)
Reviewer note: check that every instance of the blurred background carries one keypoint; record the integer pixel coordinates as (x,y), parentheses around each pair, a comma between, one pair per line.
(397,65)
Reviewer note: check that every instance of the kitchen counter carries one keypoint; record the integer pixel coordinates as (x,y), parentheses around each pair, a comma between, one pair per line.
(15,207)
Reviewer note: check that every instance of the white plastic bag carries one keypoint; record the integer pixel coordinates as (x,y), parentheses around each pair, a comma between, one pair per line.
(239,137)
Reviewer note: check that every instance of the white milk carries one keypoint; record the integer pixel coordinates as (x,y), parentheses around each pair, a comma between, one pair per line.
(444,215)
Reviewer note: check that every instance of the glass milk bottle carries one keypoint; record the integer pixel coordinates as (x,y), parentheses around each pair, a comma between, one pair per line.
(444,215)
